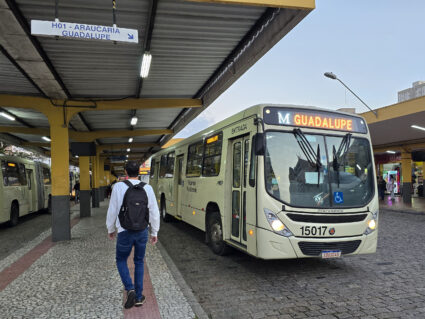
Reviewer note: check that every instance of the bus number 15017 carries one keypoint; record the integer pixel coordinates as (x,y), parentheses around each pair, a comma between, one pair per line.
(313,230)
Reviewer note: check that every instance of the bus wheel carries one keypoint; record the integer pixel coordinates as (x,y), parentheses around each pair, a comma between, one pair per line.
(165,217)
(215,235)
(14,214)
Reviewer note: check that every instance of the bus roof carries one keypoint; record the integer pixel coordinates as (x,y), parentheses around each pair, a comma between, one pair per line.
(248,112)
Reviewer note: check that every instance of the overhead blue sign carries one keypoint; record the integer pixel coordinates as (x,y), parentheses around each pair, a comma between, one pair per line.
(83,31)
(338,197)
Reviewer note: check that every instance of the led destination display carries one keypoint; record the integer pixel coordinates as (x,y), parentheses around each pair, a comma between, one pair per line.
(314,119)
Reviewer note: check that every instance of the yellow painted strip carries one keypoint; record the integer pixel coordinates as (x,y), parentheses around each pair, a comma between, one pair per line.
(396,110)
(290,4)
(24,130)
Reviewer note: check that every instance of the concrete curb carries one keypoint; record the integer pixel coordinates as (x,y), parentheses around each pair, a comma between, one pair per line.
(187,292)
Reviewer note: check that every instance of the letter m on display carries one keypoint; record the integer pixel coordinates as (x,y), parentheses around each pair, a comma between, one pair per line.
(283,119)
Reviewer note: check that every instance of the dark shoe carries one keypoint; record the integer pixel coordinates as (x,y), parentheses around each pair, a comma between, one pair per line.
(140,302)
(131,298)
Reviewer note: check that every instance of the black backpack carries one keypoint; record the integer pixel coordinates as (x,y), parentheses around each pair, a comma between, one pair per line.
(134,212)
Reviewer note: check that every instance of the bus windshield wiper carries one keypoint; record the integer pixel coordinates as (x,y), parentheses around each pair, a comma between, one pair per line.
(312,157)
(342,152)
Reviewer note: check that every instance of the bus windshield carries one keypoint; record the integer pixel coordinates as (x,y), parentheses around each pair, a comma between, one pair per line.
(337,173)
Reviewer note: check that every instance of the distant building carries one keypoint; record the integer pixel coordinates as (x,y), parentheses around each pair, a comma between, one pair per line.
(417,90)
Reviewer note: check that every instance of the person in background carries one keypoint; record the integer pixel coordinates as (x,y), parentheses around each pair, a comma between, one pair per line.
(391,187)
(77,192)
(382,185)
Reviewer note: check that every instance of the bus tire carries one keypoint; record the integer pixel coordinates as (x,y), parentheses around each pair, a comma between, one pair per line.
(165,216)
(14,214)
(215,235)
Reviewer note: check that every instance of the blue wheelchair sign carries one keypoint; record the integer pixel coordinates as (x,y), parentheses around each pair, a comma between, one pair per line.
(338,198)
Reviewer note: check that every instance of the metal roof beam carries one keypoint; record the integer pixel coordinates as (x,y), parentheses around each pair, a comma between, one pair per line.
(111,147)
(290,4)
(25,130)
(75,106)
(91,136)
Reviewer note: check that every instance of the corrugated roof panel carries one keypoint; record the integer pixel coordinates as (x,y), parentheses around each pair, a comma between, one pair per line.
(12,81)
(190,41)
(32,117)
(93,68)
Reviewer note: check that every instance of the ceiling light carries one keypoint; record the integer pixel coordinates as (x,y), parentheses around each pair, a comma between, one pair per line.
(76,156)
(128,150)
(126,155)
(130,140)
(134,120)
(418,127)
(146,64)
(46,138)
(391,152)
(9,117)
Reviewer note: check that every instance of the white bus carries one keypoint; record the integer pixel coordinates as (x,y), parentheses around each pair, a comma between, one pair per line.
(25,187)
(275,181)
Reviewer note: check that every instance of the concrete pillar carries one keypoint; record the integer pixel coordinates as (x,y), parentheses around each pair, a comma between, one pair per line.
(85,210)
(95,182)
(101,179)
(61,223)
(406,173)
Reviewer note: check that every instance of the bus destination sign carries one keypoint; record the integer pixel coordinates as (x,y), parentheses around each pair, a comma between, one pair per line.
(314,119)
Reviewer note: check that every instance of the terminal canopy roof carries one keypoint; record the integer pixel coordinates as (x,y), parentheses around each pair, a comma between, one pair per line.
(198,48)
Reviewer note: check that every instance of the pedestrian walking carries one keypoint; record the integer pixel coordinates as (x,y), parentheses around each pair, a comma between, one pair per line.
(131,209)
(77,192)
(382,185)
(392,185)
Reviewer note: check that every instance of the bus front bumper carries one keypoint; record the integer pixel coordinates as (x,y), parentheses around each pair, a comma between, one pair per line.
(273,246)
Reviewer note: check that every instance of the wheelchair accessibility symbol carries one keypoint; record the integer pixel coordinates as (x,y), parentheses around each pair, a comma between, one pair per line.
(338,198)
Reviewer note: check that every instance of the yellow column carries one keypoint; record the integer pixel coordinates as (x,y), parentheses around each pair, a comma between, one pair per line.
(381,169)
(84,162)
(406,173)
(61,224)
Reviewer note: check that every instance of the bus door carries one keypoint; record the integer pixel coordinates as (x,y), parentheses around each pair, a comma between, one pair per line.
(180,185)
(240,151)
(32,195)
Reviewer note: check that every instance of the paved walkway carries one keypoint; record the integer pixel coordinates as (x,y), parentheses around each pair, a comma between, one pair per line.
(79,279)
(417,206)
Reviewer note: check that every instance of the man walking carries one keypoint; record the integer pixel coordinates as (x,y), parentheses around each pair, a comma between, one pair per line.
(134,214)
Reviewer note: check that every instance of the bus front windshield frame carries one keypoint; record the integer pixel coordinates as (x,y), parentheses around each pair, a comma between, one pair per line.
(334,179)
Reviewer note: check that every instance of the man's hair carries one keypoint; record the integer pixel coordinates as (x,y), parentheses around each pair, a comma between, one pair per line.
(132,168)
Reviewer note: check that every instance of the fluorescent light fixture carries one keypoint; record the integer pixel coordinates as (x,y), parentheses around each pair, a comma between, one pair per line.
(9,117)
(130,140)
(358,166)
(134,120)
(46,138)
(146,64)
(391,152)
(128,150)
(418,127)
(126,155)
(76,156)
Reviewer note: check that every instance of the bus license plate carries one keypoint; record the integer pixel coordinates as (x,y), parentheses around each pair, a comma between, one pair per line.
(331,254)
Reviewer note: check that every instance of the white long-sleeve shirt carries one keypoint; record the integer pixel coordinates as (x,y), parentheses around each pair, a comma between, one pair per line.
(117,196)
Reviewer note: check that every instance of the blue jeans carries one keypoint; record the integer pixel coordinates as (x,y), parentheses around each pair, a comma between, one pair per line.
(125,242)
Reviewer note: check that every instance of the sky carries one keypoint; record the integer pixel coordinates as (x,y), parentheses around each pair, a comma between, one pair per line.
(376,47)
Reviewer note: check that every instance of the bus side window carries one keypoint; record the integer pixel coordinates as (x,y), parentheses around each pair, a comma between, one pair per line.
(169,173)
(4,173)
(152,172)
(212,155)
(11,174)
(22,174)
(46,176)
(194,159)
(163,166)
(252,164)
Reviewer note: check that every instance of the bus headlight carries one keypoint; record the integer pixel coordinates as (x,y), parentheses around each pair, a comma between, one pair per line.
(275,223)
(372,224)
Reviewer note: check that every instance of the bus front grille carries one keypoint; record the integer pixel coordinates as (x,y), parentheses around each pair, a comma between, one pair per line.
(326,219)
(316,248)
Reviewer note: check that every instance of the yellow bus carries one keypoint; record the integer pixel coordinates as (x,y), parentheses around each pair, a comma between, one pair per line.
(275,181)
(25,187)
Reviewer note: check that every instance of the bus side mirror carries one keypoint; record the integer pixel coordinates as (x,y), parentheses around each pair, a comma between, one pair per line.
(259,144)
